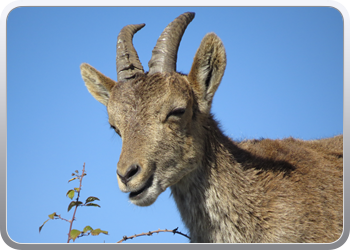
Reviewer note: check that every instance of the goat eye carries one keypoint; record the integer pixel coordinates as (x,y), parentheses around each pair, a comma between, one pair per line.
(177,112)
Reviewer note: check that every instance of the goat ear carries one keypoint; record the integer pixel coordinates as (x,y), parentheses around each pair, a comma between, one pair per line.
(99,85)
(207,70)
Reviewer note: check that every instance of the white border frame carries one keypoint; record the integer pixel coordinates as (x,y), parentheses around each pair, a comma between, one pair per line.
(10,5)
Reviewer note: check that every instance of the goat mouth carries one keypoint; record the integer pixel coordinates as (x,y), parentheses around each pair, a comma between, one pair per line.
(139,194)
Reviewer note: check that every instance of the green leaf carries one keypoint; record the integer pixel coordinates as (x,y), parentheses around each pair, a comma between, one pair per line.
(98,231)
(74,203)
(92,205)
(70,194)
(72,179)
(52,216)
(43,225)
(77,189)
(87,228)
(74,234)
(91,198)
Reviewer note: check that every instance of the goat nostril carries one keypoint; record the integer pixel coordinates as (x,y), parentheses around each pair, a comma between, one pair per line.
(131,172)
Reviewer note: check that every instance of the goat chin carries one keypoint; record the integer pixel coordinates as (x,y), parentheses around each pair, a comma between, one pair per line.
(147,197)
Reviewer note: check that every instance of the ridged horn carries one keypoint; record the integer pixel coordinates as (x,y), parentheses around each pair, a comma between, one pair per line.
(128,62)
(164,54)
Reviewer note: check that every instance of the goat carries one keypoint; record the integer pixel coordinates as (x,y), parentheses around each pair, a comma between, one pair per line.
(265,190)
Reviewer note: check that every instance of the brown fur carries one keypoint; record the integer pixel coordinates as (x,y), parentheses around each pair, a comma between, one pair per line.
(251,191)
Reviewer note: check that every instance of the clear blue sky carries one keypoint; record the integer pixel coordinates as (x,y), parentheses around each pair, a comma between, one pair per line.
(284,77)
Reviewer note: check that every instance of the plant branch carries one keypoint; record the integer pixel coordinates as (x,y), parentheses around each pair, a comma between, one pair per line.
(174,231)
(59,217)
(76,207)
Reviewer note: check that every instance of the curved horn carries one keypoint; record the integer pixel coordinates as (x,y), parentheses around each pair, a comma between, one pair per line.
(128,62)
(164,54)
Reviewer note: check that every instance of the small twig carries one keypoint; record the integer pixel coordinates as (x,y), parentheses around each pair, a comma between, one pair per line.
(76,207)
(178,232)
(174,231)
(59,217)
(82,234)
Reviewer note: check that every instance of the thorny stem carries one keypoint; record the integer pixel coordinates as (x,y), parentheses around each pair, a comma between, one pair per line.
(152,232)
(76,207)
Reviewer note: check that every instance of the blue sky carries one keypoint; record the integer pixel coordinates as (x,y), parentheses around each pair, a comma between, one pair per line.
(284,77)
